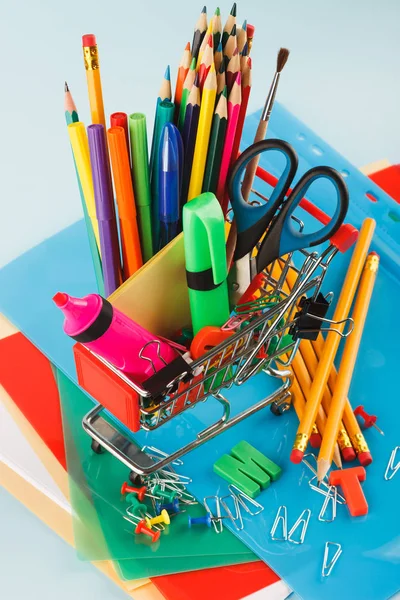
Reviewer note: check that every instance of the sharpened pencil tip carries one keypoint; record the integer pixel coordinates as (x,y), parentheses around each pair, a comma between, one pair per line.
(233,10)
(66,88)
(167,74)
(219,49)
(204,9)
(193,64)
(233,31)
(217,11)
(244,26)
(245,50)
(187,47)
(196,80)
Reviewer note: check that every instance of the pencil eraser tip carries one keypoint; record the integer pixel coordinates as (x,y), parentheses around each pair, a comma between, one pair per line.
(60,299)
(348,454)
(315,440)
(296,456)
(365,458)
(89,39)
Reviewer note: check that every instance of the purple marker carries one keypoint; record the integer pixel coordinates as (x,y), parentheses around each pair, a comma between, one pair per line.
(105,211)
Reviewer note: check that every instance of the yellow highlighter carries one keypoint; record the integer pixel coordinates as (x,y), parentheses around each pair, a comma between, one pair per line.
(80,148)
(92,66)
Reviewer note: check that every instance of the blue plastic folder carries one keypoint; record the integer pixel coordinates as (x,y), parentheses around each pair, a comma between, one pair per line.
(369,567)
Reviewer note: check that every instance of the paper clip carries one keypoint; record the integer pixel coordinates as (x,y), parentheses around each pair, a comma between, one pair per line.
(304,519)
(216,518)
(156,452)
(330,496)
(241,496)
(339,498)
(283,519)
(328,566)
(238,514)
(391,468)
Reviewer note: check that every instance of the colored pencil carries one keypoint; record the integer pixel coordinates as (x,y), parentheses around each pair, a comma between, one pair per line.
(221,80)
(231,21)
(217,28)
(206,61)
(232,70)
(250,34)
(231,44)
(203,133)
(218,57)
(189,136)
(199,32)
(234,101)
(92,67)
(120,119)
(187,86)
(241,36)
(332,339)
(165,92)
(347,363)
(215,148)
(180,80)
(71,116)
(141,181)
(204,44)
(121,169)
(246,88)
(243,57)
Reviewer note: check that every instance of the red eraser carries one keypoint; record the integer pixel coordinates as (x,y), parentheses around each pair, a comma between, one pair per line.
(349,481)
(296,456)
(89,39)
(316,440)
(348,454)
(365,458)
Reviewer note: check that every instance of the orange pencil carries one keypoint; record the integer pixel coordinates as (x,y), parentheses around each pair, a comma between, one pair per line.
(207,60)
(182,72)
(130,240)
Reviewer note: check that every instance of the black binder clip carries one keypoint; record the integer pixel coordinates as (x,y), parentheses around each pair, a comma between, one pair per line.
(309,319)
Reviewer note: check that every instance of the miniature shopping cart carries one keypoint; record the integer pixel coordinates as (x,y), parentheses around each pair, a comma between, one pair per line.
(267,341)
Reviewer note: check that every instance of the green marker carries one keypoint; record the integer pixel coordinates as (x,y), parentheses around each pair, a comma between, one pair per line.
(205,257)
(141,181)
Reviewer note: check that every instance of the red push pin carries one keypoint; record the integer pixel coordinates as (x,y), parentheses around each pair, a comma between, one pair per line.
(369,420)
(140,492)
(142,528)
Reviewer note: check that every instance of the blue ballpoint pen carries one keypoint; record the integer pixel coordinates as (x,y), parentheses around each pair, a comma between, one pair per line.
(169,183)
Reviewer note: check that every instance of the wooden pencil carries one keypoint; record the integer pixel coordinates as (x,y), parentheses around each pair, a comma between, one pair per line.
(203,133)
(234,101)
(246,88)
(199,32)
(243,57)
(189,133)
(180,79)
(165,92)
(204,44)
(221,80)
(206,61)
(232,70)
(217,28)
(187,86)
(231,21)
(216,145)
(231,44)
(218,57)
(241,34)
(250,34)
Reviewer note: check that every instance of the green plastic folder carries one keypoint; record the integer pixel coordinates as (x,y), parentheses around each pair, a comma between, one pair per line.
(100,531)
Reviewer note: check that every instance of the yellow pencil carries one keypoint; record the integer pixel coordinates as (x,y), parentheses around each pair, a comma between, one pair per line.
(80,148)
(347,363)
(203,133)
(92,67)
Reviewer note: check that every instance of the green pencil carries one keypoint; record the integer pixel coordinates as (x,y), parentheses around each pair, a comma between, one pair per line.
(215,147)
(141,181)
(71,116)
(187,86)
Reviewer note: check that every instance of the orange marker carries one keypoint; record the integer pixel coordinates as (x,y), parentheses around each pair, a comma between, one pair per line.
(130,241)
(349,481)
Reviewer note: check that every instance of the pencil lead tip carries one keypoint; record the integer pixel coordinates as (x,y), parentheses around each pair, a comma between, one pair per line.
(167,74)
(238,79)
(204,9)
(196,80)
(225,91)
(187,47)
(210,40)
(217,11)
(233,30)
(244,26)
(283,55)
(245,50)
(66,88)
(233,10)
(219,49)
(193,64)
(249,62)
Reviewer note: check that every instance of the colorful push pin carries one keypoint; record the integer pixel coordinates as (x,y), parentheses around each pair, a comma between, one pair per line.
(369,420)
(141,528)
(205,520)
(135,507)
(128,489)
(171,506)
(168,495)
(162,518)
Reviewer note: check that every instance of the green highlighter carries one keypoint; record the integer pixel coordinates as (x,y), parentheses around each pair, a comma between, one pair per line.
(205,258)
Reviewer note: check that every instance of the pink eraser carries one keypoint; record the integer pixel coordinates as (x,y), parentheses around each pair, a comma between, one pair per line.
(365,458)
(315,440)
(348,454)
(89,39)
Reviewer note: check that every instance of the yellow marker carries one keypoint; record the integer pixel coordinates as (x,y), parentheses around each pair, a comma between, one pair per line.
(162,518)
(80,148)
(203,134)
(92,66)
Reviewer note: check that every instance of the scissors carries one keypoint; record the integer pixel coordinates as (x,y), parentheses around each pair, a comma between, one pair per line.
(253,221)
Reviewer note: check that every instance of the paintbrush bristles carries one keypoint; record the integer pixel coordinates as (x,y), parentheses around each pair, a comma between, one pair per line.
(283,55)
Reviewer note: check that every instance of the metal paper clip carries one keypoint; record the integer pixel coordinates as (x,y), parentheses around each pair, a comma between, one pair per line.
(216,518)
(330,496)
(158,346)
(339,498)
(242,497)
(156,452)
(238,515)
(391,468)
(303,519)
(328,566)
(280,519)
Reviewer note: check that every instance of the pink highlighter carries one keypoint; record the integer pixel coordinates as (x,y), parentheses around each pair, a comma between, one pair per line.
(94,322)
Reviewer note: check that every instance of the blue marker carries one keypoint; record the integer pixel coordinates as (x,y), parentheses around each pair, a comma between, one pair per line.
(169,184)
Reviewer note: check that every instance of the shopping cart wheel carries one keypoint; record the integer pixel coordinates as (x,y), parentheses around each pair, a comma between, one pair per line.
(279,409)
(96,447)
(135,478)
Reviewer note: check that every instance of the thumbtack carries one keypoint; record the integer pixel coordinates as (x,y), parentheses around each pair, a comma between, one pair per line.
(162,518)
(171,506)
(134,505)
(141,528)
(205,520)
(128,489)
(168,495)
(369,420)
